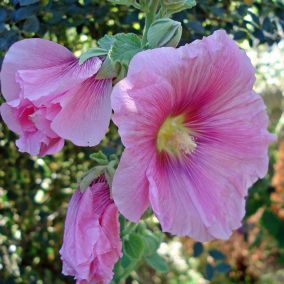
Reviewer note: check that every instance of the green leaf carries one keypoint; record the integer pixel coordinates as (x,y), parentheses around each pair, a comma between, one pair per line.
(93,52)
(106,42)
(157,262)
(125,47)
(100,158)
(134,246)
(125,261)
(151,243)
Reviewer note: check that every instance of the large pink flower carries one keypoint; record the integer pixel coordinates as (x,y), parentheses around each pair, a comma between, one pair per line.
(91,244)
(195,137)
(50,97)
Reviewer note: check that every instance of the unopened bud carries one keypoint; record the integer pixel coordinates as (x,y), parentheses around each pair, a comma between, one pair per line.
(164,32)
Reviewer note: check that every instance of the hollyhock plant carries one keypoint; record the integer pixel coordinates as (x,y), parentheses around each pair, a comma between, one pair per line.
(91,244)
(195,137)
(51,97)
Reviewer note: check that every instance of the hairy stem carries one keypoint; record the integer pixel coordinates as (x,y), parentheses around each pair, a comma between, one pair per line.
(149,18)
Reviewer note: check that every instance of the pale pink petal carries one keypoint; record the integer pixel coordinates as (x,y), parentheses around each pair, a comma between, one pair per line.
(40,83)
(130,185)
(213,203)
(136,114)
(85,114)
(216,69)
(30,143)
(36,68)
(29,54)
(235,137)
(10,118)
(171,197)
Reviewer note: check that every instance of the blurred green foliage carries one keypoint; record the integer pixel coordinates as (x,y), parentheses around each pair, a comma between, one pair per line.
(34,192)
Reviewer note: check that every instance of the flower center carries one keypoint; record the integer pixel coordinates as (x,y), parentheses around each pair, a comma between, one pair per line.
(174,137)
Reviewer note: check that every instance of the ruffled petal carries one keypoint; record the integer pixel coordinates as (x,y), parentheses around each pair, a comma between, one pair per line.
(91,243)
(216,71)
(81,233)
(85,114)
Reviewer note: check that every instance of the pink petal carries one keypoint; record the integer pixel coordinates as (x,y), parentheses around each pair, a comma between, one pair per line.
(10,118)
(210,206)
(85,114)
(208,82)
(170,194)
(235,138)
(38,68)
(110,225)
(29,54)
(130,186)
(54,145)
(91,244)
(215,68)
(135,113)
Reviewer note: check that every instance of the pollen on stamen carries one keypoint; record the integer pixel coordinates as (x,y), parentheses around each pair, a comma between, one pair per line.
(175,138)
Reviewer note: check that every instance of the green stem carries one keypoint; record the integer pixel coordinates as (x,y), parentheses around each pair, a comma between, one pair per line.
(149,19)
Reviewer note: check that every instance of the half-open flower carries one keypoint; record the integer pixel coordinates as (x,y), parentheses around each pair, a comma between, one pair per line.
(51,97)
(91,244)
(195,137)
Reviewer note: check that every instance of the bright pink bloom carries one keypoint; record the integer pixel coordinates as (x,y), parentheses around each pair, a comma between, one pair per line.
(195,137)
(50,97)
(91,244)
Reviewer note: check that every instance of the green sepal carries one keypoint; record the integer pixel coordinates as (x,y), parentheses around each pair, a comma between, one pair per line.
(108,70)
(87,178)
(106,170)
(92,52)
(100,158)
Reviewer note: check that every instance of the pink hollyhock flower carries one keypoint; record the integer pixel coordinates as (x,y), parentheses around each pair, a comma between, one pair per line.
(195,137)
(50,97)
(91,244)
